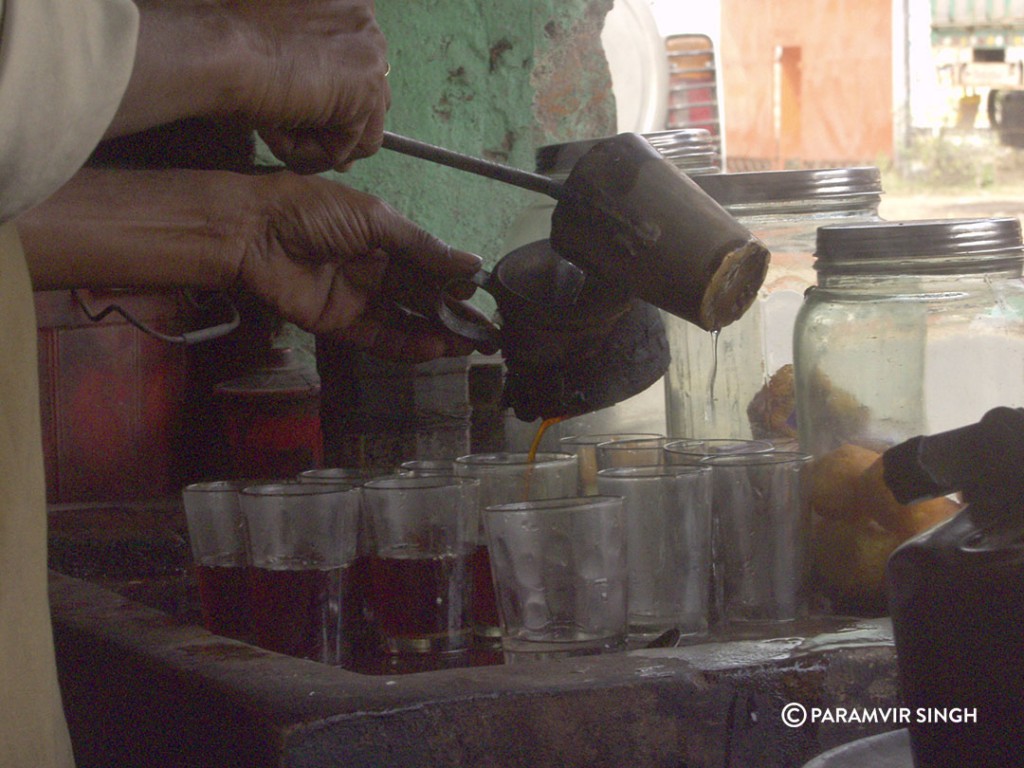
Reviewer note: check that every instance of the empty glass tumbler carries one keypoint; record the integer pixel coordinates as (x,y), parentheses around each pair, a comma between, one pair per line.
(667,514)
(561,576)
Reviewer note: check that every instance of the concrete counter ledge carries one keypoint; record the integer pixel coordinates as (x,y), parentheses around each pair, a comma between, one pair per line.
(143,689)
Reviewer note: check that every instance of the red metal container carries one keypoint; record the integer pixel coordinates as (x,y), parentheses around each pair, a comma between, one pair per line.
(111,398)
(271,418)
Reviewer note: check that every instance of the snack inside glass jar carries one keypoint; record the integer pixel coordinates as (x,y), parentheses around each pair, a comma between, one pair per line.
(914,327)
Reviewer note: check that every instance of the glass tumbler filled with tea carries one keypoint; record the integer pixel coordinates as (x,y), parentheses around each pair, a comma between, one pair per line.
(425,531)
(303,543)
(362,630)
(216,532)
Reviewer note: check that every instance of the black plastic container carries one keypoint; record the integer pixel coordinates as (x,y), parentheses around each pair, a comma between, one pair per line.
(956,596)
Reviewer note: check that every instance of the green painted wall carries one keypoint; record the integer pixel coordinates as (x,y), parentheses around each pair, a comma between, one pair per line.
(492,78)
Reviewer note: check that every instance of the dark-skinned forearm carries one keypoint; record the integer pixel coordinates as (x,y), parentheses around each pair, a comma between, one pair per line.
(189,62)
(140,229)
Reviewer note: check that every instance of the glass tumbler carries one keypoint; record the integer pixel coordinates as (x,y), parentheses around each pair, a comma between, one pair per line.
(302,541)
(425,535)
(763,515)
(667,514)
(507,477)
(216,532)
(585,448)
(561,576)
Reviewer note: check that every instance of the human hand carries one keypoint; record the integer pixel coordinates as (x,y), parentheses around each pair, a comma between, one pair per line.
(343,263)
(309,75)
(320,97)
(335,261)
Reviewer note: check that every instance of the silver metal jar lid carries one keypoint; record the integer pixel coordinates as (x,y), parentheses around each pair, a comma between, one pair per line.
(757,187)
(945,244)
(692,150)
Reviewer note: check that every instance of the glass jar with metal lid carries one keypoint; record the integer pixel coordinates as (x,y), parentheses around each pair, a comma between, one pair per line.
(694,152)
(914,327)
(738,382)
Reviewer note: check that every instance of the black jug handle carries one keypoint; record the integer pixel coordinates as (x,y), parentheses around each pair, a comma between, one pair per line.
(456,315)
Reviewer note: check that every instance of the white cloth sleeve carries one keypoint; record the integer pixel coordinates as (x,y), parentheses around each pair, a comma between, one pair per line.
(64,66)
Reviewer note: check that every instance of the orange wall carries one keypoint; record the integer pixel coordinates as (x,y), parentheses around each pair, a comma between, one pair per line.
(839,98)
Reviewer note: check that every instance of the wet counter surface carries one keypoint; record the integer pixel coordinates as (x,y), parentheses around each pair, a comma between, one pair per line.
(143,687)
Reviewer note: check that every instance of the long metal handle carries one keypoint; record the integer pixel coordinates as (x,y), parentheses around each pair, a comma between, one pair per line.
(534,182)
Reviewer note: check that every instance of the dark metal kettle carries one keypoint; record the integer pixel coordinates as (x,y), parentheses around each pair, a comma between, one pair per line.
(578,322)
(571,344)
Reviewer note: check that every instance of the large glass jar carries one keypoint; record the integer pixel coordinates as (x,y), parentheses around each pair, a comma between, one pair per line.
(914,327)
(737,382)
(694,152)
